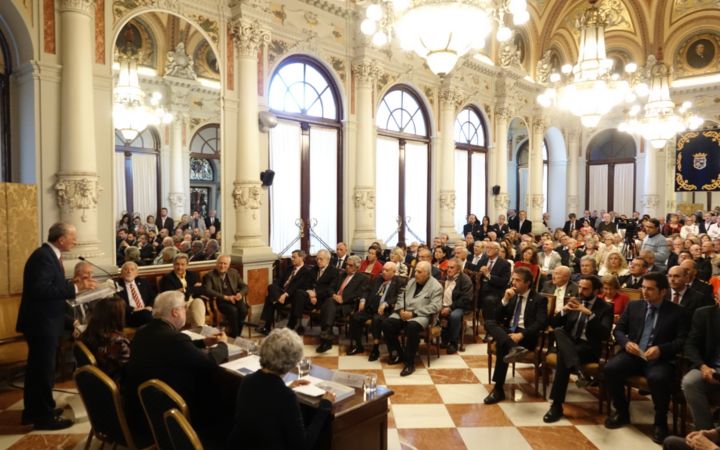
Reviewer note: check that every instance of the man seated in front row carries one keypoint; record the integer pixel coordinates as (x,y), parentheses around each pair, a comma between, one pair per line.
(379,303)
(457,300)
(650,333)
(348,290)
(581,327)
(182,280)
(323,277)
(138,295)
(519,320)
(226,286)
(285,290)
(418,305)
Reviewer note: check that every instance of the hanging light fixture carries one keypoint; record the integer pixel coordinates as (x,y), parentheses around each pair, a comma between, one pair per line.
(658,120)
(441,31)
(131,112)
(589,89)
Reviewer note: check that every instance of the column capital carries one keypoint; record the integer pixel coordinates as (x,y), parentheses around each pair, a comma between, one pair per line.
(364,198)
(248,36)
(503,112)
(78,191)
(365,70)
(86,7)
(502,202)
(247,195)
(451,95)
(447,200)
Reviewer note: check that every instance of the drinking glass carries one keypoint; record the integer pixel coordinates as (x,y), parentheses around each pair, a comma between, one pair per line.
(303,367)
(370,383)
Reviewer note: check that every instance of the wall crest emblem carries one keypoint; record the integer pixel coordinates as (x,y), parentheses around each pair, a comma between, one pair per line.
(699,161)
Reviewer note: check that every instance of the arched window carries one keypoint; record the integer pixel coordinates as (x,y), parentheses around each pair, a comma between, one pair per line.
(610,173)
(204,170)
(402,168)
(306,155)
(523,158)
(470,166)
(137,174)
(5,69)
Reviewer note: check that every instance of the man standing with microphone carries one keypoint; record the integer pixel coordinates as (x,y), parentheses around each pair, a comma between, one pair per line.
(41,319)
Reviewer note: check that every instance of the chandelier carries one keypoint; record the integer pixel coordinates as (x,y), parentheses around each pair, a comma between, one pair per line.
(441,31)
(131,112)
(589,89)
(658,120)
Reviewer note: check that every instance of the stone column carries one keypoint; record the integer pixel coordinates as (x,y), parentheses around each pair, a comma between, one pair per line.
(177,195)
(77,187)
(365,72)
(499,163)
(450,97)
(670,195)
(248,242)
(650,200)
(536,199)
(573,143)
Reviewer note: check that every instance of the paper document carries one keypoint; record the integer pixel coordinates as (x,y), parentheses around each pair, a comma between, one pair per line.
(246,366)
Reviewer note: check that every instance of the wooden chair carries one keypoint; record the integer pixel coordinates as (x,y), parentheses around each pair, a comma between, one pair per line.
(182,435)
(431,337)
(83,355)
(157,398)
(101,398)
(633,294)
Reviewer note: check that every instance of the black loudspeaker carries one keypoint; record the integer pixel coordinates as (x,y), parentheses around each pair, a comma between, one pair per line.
(267,177)
(495,190)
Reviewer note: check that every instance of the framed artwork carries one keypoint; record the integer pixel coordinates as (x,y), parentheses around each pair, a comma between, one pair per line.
(698,55)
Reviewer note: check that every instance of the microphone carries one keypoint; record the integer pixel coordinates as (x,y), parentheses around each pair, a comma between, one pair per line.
(112,277)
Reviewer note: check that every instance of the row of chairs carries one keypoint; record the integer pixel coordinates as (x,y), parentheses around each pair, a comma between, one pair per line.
(165,410)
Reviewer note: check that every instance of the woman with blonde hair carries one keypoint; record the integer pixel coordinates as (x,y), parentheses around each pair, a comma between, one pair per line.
(614,264)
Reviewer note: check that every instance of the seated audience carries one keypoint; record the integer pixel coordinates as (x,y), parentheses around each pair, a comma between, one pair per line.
(340,257)
(457,300)
(397,256)
(581,327)
(682,294)
(493,277)
(105,339)
(705,289)
(323,279)
(419,304)
(529,259)
(650,334)
(371,264)
(636,269)
(548,258)
(472,227)
(611,294)
(440,260)
(501,228)
(588,266)
(225,285)
(519,320)
(137,294)
(614,264)
(656,245)
(268,415)
(285,290)
(473,262)
(180,279)
(560,285)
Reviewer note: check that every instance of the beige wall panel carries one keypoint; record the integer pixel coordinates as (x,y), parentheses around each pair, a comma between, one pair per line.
(4,266)
(22,230)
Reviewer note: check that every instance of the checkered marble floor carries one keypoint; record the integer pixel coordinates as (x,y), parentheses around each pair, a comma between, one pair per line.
(436,407)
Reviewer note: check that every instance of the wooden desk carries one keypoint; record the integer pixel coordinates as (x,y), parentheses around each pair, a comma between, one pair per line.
(358,422)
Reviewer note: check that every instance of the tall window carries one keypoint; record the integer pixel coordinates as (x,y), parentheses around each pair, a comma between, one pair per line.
(137,174)
(4,110)
(470,167)
(306,155)
(523,158)
(402,176)
(204,169)
(610,173)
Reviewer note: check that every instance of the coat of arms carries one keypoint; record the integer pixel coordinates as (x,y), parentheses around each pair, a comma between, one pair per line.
(699,160)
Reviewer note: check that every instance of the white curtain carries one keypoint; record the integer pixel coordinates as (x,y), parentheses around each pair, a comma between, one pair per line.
(598,183)
(323,186)
(416,185)
(461,182)
(623,182)
(479,185)
(120,195)
(144,169)
(522,184)
(387,196)
(285,191)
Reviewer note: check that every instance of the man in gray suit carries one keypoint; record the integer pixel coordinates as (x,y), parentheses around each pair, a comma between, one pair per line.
(457,299)
(560,286)
(548,258)
(226,286)
(414,310)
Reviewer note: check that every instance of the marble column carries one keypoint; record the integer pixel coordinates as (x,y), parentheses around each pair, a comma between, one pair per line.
(450,98)
(499,163)
(670,195)
(650,200)
(78,187)
(177,195)
(573,144)
(248,195)
(536,199)
(365,72)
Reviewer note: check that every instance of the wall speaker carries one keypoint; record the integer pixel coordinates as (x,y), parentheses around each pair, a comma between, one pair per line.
(267,177)
(495,190)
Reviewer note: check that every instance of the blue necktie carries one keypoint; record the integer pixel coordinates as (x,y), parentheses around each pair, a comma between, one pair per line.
(516,316)
(648,327)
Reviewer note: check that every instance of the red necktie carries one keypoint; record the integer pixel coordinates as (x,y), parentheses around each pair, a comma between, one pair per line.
(344,283)
(136,296)
(676,297)
(490,265)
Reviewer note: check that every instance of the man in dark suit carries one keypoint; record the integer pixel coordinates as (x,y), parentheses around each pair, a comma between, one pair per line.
(519,320)
(581,327)
(705,289)
(571,224)
(457,300)
(680,293)
(285,290)
(473,261)
(41,319)
(512,219)
(138,295)
(381,299)
(225,285)
(347,290)
(180,279)
(415,309)
(633,280)
(560,285)
(494,277)
(212,221)
(323,276)
(650,333)
(524,226)
(159,350)
(165,222)
(501,228)
(339,260)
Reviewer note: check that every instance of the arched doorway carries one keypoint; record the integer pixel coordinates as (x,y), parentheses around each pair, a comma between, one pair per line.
(523,159)
(204,170)
(470,166)
(137,174)
(610,173)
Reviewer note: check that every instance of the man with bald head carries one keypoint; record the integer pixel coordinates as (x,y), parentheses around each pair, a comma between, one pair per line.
(681,294)
(381,299)
(418,305)
(694,282)
(225,285)
(560,285)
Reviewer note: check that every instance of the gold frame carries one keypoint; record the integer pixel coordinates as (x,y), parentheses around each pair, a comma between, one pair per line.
(184,424)
(683,67)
